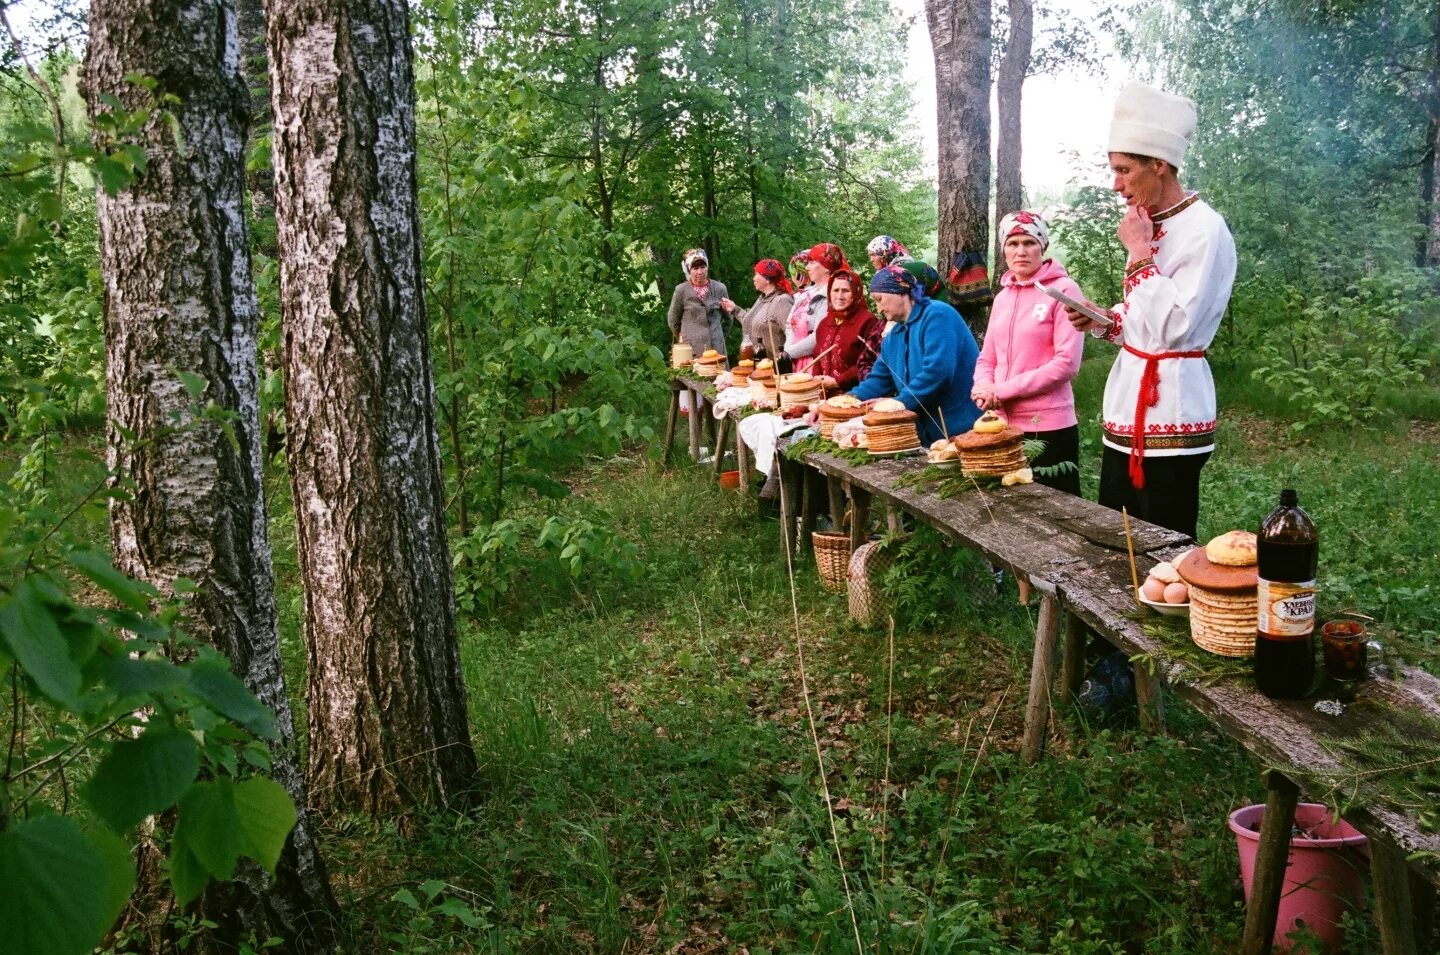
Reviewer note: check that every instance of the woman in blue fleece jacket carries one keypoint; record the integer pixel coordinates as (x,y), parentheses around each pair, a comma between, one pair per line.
(926,361)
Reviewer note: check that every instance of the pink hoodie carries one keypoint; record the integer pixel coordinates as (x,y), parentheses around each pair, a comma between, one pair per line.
(1032,352)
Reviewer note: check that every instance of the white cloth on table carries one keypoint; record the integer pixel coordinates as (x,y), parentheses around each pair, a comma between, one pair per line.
(729,400)
(845,433)
(761,431)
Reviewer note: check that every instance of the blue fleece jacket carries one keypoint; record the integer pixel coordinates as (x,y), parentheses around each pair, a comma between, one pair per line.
(928,362)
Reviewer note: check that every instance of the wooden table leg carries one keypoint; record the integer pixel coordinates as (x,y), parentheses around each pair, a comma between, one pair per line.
(695,425)
(720,439)
(1393,912)
(1037,709)
(709,409)
(787,504)
(809,506)
(1150,698)
(1072,668)
(742,458)
(670,421)
(1423,900)
(859,517)
(836,489)
(1272,857)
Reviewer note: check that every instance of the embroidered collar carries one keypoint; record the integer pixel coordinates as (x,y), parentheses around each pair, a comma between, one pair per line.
(1176,209)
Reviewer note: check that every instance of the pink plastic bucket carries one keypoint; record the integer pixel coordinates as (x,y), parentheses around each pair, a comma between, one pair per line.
(1324,877)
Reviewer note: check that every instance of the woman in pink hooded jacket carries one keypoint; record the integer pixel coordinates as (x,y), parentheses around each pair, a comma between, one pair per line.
(1032,352)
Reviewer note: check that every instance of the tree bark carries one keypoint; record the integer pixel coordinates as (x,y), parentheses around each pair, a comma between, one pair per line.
(1009,193)
(179,298)
(387,721)
(960,40)
(1430,166)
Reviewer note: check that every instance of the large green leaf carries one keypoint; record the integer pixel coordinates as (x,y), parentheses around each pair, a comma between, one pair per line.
(56,889)
(32,635)
(132,593)
(119,873)
(128,676)
(213,682)
(143,776)
(220,821)
(187,875)
(208,826)
(267,814)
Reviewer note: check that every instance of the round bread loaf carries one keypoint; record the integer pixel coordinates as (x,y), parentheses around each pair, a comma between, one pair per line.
(1198,570)
(979,440)
(889,404)
(1232,549)
(881,418)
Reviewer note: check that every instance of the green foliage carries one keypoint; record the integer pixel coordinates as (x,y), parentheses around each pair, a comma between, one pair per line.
(107,697)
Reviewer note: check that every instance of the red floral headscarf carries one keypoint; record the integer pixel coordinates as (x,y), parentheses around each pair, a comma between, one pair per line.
(772,270)
(857,297)
(829,255)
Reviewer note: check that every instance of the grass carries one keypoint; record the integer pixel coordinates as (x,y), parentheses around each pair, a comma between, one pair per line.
(649,783)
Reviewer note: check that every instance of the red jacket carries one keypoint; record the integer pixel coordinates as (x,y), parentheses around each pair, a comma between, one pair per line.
(855,343)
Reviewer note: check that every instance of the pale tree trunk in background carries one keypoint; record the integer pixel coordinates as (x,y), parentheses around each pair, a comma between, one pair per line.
(179,298)
(387,720)
(960,38)
(1009,192)
(1430,174)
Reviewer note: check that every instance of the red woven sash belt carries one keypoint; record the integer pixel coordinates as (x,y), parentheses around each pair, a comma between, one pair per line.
(1149,395)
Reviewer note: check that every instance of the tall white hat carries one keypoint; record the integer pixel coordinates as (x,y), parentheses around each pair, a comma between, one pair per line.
(1151,122)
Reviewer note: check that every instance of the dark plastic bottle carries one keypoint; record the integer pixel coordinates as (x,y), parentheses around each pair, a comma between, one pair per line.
(1288,549)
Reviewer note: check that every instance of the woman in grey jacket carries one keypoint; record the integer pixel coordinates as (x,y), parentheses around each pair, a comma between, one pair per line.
(695,313)
(764,323)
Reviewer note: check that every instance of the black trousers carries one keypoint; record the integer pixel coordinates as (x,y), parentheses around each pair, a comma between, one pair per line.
(1062,445)
(1171,497)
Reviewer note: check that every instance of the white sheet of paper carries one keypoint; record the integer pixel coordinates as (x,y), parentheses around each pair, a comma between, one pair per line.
(1093,314)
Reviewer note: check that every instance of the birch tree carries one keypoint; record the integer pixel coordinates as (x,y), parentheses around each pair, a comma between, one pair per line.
(180,325)
(387,720)
(960,40)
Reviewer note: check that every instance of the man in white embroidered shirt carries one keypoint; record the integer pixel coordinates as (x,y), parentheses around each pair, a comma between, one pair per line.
(1159,409)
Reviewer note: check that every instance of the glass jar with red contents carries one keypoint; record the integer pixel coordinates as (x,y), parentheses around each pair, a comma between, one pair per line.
(1345,652)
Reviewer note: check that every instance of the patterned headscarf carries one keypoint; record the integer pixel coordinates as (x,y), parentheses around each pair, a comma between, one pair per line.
(1025,223)
(829,255)
(896,281)
(924,272)
(690,257)
(886,248)
(772,270)
(797,267)
(857,297)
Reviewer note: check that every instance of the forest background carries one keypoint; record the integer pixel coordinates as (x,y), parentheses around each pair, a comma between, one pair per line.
(566,157)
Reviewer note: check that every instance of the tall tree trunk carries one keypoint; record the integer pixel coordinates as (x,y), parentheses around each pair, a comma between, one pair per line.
(388,726)
(179,298)
(960,39)
(1009,193)
(1430,172)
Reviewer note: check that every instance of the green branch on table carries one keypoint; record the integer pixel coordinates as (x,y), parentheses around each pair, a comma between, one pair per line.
(814,444)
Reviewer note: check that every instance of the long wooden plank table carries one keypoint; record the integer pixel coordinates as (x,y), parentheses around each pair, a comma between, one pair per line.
(1073,552)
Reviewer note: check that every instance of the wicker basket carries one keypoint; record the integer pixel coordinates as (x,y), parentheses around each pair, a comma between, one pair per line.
(832,557)
(867,601)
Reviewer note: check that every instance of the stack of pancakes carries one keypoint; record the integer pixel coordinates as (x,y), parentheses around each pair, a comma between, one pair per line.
(740,374)
(708,364)
(890,428)
(762,384)
(798,389)
(993,454)
(1224,605)
(838,409)
(681,354)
